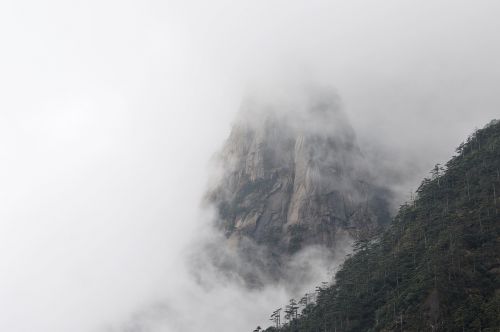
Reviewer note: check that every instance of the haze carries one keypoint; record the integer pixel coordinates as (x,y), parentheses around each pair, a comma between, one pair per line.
(111,110)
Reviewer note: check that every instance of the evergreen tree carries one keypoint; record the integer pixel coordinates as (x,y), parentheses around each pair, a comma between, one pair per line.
(436,267)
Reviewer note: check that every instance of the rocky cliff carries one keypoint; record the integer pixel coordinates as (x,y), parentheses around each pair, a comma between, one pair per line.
(291,176)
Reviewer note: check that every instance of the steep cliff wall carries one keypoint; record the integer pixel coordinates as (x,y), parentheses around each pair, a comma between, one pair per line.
(293,176)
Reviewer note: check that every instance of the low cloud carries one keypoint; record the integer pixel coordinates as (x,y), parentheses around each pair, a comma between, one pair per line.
(111,109)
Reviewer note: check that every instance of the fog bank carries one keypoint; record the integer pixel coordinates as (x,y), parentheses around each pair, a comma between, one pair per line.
(110,111)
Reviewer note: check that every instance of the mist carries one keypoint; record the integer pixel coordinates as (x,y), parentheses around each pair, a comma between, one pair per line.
(111,111)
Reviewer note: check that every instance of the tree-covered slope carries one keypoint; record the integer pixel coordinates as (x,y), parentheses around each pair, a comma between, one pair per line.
(437,266)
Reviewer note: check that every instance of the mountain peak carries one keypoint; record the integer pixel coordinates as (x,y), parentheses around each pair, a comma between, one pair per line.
(292,177)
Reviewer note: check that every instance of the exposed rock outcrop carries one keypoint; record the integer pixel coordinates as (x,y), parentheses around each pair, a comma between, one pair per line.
(293,176)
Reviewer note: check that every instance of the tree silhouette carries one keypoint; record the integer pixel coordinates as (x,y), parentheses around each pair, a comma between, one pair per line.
(436,265)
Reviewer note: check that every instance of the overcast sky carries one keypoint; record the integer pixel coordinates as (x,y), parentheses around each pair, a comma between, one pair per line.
(110,111)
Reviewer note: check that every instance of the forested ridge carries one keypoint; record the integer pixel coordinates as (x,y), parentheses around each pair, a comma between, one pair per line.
(435,268)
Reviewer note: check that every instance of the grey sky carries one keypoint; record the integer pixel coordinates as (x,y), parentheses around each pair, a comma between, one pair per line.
(110,110)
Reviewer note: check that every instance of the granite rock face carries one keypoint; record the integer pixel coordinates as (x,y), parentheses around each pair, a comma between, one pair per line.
(292,177)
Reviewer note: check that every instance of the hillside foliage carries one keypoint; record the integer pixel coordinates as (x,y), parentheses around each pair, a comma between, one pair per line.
(435,268)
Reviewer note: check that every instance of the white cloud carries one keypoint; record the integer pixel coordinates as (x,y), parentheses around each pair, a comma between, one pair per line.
(111,109)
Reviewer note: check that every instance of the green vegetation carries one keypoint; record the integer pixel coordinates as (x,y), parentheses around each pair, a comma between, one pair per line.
(435,268)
